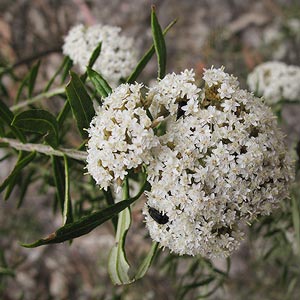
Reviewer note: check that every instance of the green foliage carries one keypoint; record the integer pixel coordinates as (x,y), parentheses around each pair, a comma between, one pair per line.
(22,162)
(82,226)
(159,44)
(38,121)
(146,58)
(7,117)
(80,102)
(32,78)
(99,83)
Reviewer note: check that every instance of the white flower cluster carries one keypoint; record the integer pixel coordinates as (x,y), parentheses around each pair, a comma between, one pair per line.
(275,81)
(168,92)
(214,170)
(219,162)
(117,58)
(120,136)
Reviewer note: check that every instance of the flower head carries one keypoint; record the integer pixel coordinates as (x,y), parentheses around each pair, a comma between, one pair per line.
(117,58)
(173,89)
(215,169)
(275,81)
(120,136)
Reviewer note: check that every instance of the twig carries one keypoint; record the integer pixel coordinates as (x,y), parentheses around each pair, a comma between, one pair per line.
(37,98)
(79,155)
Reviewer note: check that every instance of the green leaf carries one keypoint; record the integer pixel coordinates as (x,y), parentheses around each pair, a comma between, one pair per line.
(2,131)
(66,70)
(92,60)
(80,102)
(118,266)
(26,180)
(67,215)
(87,223)
(95,55)
(63,113)
(59,180)
(6,272)
(146,58)
(146,263)
(21,87)
(32,78)
(296,220)
(159,44)
(185,289)
(7,117)
(11,185)
(99,83)
(5,113)
(38,121)
(83,226)
(110,201)
(63,66)
(23,161)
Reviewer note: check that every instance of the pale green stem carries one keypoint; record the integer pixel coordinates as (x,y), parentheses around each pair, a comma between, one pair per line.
(125,189)
(79,155)
(37,98)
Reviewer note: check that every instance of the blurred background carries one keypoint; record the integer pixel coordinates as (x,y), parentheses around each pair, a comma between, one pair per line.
(238,34)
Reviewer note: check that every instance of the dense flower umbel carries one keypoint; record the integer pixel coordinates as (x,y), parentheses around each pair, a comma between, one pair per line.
(118,56)
(220,163)
(120,136)
(275,81)
(215,169)
(167,93)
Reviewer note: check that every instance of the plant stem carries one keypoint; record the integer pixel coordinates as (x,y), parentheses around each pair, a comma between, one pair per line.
(37,98)
(79,155)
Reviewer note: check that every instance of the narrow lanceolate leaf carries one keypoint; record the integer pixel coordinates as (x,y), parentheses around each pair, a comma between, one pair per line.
(67,215)
(99,83)
(159,44)
(66,70)
(32,78)
(38,121)
(83,226)
(59,179)
(110,201)
(23,161)
(80,102)
(296,220)
(25,182)
(5,113)
(118,266)
(87,223)
(92,61)
(21,88)
(146,58)
(63,65)
(146,263)
(95,55)
(7,117)
(63,114)
(2,131)
(12,183)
